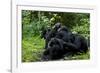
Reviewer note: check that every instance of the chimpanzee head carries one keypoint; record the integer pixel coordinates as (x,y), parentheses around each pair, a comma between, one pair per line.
(64,28)
(57,26)
(55,50)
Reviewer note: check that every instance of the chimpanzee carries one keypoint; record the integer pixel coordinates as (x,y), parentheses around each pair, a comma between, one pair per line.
(55,50)
(50,33)
(74,42)
(61,41)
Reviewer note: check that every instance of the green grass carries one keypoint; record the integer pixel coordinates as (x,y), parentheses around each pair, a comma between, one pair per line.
(81,56)
(32,49)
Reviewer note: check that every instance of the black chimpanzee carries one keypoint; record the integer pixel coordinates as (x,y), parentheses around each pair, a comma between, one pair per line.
(55,50)
(58,48)
(73,41)
(60,41)
(50,33)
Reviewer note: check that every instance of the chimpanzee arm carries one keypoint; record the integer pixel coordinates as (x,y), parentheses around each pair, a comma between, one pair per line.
(70,46)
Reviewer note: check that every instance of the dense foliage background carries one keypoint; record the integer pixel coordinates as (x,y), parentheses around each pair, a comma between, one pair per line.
(34,22)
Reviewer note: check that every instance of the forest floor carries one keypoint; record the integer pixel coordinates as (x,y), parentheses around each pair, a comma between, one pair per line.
(32,50)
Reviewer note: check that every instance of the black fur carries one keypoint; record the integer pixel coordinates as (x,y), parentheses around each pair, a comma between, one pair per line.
(50,33)
(60,41)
